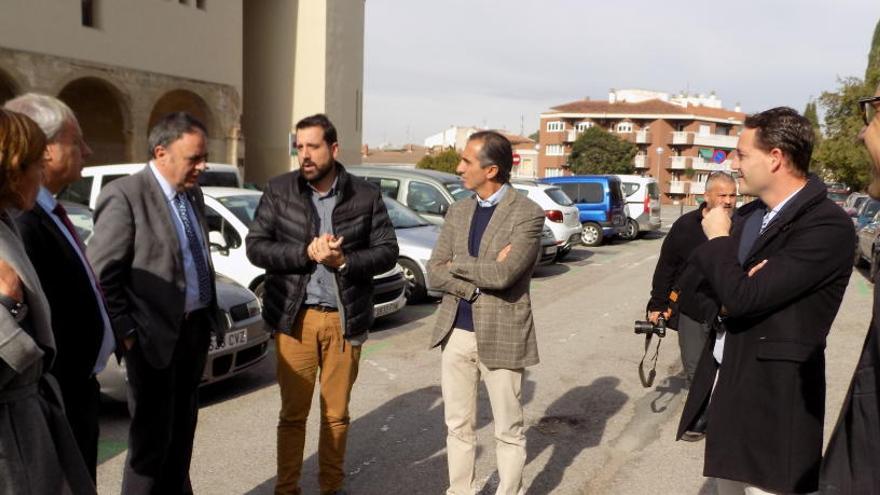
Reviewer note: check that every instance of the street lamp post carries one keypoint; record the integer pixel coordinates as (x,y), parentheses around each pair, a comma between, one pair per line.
(659,151)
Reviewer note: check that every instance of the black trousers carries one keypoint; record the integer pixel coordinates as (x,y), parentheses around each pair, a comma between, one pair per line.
(692,337)
(82,399)
(165,408)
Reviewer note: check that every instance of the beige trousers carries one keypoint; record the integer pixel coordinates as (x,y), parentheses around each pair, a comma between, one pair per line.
(730,487)
(461,370)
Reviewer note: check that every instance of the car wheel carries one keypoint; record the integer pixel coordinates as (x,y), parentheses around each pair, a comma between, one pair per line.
(562,253)
(631,230)
(875,265)
(259,290)
(858,261)
(591,234)
(417,289)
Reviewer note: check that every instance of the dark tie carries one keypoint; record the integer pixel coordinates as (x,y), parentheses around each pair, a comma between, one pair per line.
(61,213)
(751,232)
(195,248)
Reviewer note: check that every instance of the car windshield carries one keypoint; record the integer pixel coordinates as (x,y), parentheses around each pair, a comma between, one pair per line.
(871,209)
(218,179)
(401,216)
(558,196)
(837,197)
(457,190)
(243,206)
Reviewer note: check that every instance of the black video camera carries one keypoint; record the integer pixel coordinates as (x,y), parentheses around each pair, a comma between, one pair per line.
(648,328)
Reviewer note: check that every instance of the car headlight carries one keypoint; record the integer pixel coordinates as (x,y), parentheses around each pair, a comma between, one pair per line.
(254,307)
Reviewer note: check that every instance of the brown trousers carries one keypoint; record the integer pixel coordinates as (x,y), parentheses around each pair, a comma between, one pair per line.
(316,343)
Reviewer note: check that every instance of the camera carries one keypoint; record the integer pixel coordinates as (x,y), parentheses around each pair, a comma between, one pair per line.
(648,328)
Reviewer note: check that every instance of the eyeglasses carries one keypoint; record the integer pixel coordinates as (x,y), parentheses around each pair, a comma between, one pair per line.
(868,107)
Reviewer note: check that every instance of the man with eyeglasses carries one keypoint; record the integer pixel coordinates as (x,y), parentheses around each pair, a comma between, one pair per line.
(851,460)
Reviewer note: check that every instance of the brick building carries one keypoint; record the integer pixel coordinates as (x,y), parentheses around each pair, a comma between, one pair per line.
(680,139)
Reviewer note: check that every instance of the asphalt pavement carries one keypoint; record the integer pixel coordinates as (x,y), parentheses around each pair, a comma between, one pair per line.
(592,427)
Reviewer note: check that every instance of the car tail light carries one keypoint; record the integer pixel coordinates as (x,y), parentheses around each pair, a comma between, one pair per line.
(553,215)
(647,205)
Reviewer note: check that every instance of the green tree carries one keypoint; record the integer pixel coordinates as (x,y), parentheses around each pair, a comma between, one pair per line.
(597,151)
(812,114)
(872,72)
(445,161)
(534,136)
(839,154)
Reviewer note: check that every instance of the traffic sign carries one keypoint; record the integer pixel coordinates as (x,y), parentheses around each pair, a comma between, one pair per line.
(516,159)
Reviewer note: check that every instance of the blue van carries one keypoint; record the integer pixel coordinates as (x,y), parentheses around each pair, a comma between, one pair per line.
(600,201)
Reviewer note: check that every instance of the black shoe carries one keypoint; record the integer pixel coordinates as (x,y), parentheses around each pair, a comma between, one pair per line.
(698,430)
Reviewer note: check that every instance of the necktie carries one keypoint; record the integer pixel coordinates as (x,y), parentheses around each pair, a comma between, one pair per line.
(751,232)
(198,254)
(61,213)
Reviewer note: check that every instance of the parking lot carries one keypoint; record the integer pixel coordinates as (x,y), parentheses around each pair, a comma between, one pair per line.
(592,428)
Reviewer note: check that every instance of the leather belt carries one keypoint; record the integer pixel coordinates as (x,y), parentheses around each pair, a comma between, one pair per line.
(320,308)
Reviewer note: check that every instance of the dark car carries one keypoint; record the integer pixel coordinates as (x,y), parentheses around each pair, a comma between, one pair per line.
(599,199)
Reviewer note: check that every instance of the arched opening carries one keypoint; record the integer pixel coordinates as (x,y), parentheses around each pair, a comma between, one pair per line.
(100,112)
(8,89)
(181,100)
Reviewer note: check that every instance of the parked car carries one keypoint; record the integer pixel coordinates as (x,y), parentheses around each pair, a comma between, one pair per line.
(549,249)
(642,196)
(228,218)
(854,202)
(230,212)
(85,191)
(865,214)
(416,238)
(837,192)
(245,344)
(427,192)
(562,217)
(599,199)
(868,246)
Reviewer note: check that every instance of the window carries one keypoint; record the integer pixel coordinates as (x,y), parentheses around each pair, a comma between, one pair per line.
(552,172)
(653,190)
(425,198)
(630,188)
(583,126)
(457,190)
(624,127)
(388,187)
(88,13)
(110,178)
(554,150)
(524,192)
(243,206)
(558,196)
(78,192)
(216,223)
(218,179)
(555,126)
(705,130)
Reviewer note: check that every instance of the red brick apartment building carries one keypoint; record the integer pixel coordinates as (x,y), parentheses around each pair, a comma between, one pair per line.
(680,140)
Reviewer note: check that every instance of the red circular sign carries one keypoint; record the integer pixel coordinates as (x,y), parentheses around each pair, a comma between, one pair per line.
(516,159)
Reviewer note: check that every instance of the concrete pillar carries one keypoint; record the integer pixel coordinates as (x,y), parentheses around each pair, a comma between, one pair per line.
(300,58)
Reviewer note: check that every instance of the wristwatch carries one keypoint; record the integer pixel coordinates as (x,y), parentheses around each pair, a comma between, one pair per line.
(17,309)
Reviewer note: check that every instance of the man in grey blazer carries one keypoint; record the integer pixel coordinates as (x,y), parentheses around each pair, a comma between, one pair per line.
(151,255)
(483,261)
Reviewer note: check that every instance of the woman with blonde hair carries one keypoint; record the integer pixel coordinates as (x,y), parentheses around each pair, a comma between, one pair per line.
(38,454)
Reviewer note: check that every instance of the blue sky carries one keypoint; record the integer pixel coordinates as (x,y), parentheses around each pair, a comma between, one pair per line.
(429,65)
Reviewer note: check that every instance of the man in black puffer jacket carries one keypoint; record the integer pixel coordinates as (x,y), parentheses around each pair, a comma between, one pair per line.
(321,234)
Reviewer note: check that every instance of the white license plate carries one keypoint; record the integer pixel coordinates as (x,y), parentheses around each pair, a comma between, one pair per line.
(549,249)
(234,338)
(388,309)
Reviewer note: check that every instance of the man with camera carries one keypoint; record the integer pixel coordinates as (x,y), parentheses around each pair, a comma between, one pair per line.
(676,287)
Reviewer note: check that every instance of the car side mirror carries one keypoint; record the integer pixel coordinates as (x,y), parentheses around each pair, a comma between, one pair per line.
(218,243)
(442,209)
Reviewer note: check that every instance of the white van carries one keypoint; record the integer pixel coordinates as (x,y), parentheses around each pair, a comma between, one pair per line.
(642,196)
(85,191)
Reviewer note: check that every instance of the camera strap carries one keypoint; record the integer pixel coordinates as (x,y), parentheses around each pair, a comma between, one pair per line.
(648,381)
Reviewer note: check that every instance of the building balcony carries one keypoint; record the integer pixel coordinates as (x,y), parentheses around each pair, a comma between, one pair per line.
(643,137)
(641,161)
(678,187)
(682,138)
(697,187)
(569,136)
(715,140)
(678,162)
(702,165)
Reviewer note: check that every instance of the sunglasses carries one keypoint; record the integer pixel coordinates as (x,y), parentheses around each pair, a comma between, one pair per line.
(868,107)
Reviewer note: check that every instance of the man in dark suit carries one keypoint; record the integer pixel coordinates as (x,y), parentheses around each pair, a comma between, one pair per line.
(851,463)
(150,252)
(80,323)
(779,276)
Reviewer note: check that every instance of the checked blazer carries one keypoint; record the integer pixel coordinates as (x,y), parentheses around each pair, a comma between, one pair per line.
(503,323)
